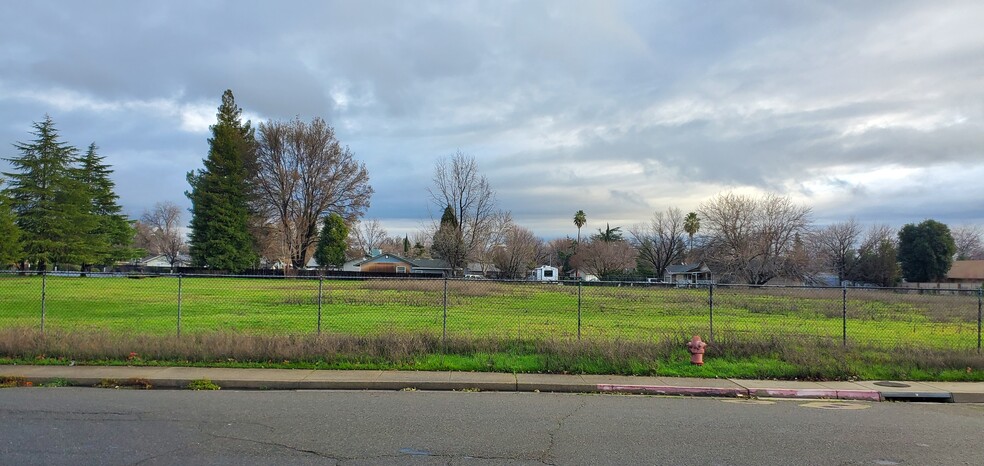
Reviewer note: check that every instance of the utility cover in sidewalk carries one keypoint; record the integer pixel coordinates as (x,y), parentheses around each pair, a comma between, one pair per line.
(892,384)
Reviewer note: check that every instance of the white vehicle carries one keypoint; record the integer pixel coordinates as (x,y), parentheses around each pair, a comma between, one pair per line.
(545,273)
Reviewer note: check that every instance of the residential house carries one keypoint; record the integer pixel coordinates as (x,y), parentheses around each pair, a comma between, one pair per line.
(696,273)
(183,260)
(582,275)
(966,273)
(481,269)
(351,265)
(391,263)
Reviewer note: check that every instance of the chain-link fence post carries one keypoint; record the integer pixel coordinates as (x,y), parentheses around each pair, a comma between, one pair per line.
(321,285)
(844,315)
(579,310)
(980,298)
(44,290)
(710,313)
(179,305)
(444,322)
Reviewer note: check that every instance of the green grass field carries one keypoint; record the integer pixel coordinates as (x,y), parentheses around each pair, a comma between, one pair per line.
(482,308)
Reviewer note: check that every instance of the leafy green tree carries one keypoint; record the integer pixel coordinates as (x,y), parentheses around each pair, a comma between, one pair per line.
(51,205)
(220,235)
(926,251)
(609,234)
(332,242)
(113,233)
(10,237)
(406,245)
(878,265)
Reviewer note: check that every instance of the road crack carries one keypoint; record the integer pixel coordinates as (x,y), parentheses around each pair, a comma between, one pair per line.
(547,456)
(319,454)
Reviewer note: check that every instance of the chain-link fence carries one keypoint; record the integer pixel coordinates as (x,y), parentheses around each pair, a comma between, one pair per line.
(523,310)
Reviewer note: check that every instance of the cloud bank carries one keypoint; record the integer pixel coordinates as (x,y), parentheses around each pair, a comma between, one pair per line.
(866,109)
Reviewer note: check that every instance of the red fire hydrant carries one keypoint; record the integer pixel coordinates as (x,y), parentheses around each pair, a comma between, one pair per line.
(696,348)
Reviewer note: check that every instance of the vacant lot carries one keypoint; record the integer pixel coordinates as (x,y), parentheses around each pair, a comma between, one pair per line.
(513,310)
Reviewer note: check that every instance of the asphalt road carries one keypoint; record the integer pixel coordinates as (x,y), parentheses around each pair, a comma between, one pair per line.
(107,427)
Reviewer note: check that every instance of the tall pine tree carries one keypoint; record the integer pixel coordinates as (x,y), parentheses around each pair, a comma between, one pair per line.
(51,204)
(220,237)
(10,238)
(112,233)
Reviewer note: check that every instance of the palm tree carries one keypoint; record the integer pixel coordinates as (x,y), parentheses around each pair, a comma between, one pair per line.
(691,224)
(579,220)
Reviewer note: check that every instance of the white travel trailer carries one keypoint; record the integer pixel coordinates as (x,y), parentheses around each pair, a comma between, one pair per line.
(544,273)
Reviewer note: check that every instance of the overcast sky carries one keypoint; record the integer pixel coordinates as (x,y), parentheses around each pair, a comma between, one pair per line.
(872,109)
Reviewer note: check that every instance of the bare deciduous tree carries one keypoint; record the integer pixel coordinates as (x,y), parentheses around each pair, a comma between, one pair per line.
(559,252)
(752,239)
(519,252)
(968,241)
(458,183)
(499,229)
(368,235)
(605,258)
(301,174)
(162,225)
(836,246)
(661,242)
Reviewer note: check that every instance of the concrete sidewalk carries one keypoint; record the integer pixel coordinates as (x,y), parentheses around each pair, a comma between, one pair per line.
(302,379)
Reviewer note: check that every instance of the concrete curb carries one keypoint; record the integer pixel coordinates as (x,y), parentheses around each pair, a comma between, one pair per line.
(823,393)
(672,390)
(286,379)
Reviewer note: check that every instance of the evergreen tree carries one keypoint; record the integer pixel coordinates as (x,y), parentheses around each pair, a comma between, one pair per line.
(112,234)
(406,245)
(331,242)
(926,251)
(50,203)
(10,238)
(220,236)
(879,266)
(448,242)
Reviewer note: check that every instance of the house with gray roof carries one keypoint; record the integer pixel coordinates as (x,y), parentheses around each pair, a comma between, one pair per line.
(392,263)
(696,273)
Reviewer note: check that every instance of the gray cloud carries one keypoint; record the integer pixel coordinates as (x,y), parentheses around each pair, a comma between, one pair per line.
(617,108)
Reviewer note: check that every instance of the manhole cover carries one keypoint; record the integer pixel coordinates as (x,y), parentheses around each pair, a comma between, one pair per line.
(892,384)
(834,405)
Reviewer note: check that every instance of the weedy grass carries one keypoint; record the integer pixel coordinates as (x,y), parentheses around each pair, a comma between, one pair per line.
(141,384)
(480,309)
(765,358)
(203,384)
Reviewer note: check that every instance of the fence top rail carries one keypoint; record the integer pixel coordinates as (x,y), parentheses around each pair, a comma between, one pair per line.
(607,283)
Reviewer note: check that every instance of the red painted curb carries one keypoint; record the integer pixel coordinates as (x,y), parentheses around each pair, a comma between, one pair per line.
(866,395)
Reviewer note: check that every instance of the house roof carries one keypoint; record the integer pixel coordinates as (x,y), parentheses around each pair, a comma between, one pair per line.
(377,257)
(685,268)
(966,270)
(182,258)
(417,263)
(430,264)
